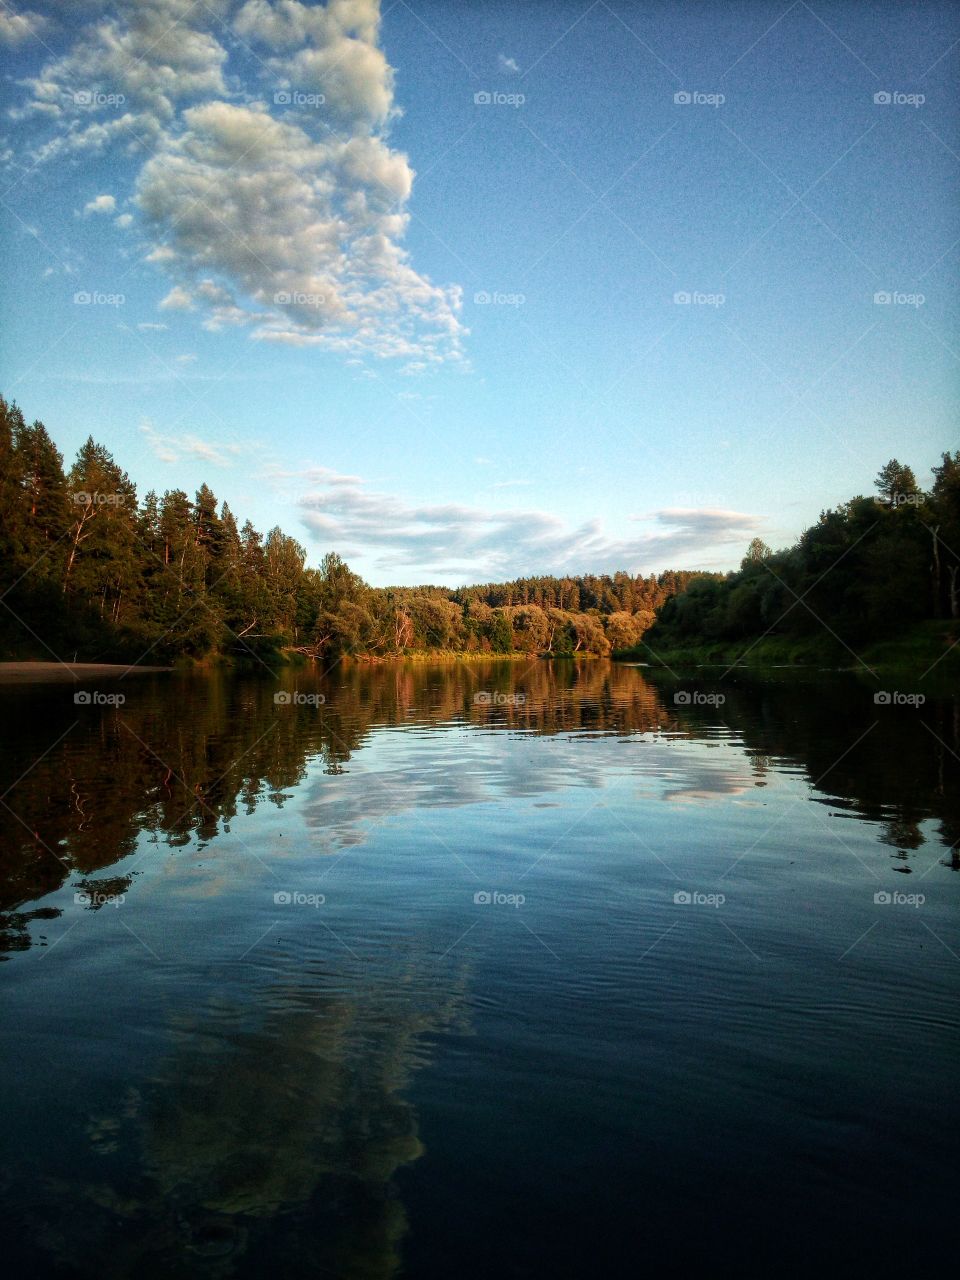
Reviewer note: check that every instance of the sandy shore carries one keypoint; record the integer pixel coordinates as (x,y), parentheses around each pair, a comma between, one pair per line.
(34,672)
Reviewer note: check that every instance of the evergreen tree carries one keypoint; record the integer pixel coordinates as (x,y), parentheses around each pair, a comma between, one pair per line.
(896,483)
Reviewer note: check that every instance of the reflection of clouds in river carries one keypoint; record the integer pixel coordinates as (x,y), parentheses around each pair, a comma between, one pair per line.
(403,773)
(296,1160)
(703,779)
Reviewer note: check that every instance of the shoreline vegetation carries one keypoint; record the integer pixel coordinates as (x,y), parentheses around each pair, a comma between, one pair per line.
(875,582)
(933,646)
(89,569)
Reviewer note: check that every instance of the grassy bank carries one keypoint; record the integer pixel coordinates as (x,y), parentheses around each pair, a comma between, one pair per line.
(438,655)
(928,645)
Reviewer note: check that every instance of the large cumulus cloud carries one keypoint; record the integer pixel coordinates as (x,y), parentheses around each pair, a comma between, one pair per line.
(265,178)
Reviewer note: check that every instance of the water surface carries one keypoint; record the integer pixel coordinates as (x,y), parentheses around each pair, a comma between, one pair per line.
(481,970)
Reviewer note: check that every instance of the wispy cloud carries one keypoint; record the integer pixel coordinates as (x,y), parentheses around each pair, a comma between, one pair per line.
(173,448)
(311,475)
(18,28)
(457,543)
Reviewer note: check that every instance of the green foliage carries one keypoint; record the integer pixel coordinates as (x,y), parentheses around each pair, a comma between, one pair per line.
(501,638)
(873,568)
(86,569)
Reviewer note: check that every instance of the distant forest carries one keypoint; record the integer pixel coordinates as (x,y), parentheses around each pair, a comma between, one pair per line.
(871,569)
(89,570)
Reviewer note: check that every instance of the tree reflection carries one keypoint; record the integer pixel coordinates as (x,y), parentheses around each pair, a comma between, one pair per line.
(183,757)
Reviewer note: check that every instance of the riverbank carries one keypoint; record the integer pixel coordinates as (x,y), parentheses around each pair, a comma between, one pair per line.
(928,647)
(46,672)
(443,655)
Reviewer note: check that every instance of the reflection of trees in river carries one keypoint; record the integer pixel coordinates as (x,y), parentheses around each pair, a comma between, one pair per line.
(264,1141)
(182,758)
(898,767)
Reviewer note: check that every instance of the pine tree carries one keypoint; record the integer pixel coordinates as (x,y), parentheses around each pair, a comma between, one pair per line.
(895,483)
(46,507)
(104,557)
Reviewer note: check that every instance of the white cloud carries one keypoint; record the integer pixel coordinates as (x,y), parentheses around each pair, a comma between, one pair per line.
(177,299)
(173,448)
(276,203)
(15,28)
(150,54)
(303,234)
(102,204)
(147,327)
(330,50)
(312,475)
(125,220)
(456,543)
(507,65)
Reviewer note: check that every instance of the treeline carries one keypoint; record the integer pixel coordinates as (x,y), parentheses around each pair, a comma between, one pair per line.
(88,570)
(873,568)
(601,593)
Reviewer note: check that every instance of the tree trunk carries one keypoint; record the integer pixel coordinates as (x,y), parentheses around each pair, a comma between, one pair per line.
(89,511)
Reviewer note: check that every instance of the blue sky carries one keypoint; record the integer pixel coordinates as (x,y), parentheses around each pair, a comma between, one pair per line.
(445,336)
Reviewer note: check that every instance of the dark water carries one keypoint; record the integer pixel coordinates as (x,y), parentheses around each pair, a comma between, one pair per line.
(207,1071)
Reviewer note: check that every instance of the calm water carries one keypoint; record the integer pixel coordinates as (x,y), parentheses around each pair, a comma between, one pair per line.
(567,978)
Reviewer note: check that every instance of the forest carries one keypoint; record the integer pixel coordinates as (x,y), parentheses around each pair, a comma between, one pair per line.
(88,571)
(876,567)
